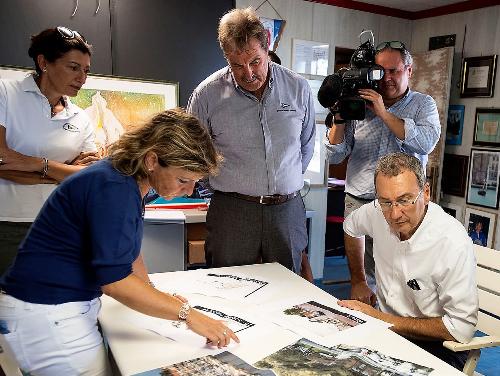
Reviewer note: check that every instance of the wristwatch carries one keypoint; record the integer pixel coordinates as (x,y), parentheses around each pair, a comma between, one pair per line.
(184,311)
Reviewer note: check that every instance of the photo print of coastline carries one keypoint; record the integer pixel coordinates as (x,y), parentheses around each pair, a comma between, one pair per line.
(306,358)
(318,313)
(221,364)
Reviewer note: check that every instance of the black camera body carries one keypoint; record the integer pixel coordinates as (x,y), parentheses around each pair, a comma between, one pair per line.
(339,91)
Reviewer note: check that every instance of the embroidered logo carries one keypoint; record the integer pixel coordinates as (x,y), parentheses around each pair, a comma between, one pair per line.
(71,128)
(284,107)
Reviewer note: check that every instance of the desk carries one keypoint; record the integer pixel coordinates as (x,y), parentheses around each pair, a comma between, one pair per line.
(137,350)
(164,244)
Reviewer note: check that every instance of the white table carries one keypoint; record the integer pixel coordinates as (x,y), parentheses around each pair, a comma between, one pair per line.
(137,350)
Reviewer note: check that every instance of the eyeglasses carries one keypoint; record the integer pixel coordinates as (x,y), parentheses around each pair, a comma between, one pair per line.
(395,44)
(67,33)
(386,206)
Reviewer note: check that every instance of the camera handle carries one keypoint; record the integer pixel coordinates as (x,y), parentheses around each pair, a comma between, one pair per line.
(372,38)
(330,118)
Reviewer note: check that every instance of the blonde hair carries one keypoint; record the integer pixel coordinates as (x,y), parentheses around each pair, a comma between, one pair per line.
(177,138)
(237,27)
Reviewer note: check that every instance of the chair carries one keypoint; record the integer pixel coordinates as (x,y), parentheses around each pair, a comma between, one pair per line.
(488,284)
(8,364)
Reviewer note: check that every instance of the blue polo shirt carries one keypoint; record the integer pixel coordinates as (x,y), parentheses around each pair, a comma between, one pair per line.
(87,235)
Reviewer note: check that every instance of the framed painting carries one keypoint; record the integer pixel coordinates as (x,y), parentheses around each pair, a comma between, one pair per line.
(487,127)
(483,178)
(455,124)
(480,226)
(115,104)
(454,210)
(478,76)
(454,177)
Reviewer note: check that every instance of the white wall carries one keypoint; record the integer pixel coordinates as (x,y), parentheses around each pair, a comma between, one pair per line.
(482,38)
(340,27)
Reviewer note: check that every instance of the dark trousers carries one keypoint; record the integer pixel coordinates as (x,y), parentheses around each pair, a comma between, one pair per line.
(454,359)
(241,232)
(11,236)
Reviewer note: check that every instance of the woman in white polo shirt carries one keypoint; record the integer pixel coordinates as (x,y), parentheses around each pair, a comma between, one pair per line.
(43,136)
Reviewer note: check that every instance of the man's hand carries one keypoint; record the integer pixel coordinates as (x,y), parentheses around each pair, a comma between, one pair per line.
(375,101)
(361,307)
(361,292)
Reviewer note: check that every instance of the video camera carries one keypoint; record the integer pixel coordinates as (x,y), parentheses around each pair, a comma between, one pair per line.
(339,91)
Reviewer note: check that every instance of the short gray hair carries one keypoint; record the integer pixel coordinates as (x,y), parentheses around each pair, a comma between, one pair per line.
(237,27)
(396,163)
(405,54)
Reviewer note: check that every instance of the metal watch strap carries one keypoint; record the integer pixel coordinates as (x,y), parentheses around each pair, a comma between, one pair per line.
(184,311)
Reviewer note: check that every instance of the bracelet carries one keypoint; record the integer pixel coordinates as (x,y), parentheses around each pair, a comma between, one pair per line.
(151,283)
(184,311)
(45,168)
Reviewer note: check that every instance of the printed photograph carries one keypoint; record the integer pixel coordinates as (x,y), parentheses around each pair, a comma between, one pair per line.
(455,124)
(317,313)
(480,226)
(224,363)
(483,178)
(306,358)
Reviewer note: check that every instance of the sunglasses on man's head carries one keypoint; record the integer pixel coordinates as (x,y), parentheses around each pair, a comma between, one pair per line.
(395,44)
(67,33)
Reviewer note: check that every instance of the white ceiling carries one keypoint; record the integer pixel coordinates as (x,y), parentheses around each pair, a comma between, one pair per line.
(411,5)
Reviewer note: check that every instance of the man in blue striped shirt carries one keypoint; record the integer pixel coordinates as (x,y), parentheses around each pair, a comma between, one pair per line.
(397,120)
(261,117)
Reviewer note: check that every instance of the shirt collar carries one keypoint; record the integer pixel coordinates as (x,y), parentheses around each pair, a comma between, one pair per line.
(28,84)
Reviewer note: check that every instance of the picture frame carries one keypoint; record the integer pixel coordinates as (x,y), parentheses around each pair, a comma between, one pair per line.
(487,127)
(115,104)
(484,175)
(455,124)
(454,210)
(482,234)
(454,174)
(478,76)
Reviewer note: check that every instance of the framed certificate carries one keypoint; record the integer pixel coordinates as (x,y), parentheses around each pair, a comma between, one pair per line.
(478,76)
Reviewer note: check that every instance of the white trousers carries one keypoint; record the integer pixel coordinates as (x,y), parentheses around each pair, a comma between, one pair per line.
(53,340)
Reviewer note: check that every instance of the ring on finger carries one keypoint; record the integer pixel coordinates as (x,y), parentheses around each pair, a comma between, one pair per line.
(224,332)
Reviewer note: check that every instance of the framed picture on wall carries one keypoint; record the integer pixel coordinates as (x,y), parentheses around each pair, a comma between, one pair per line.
(480,226)
(487,127)
(454,175)
(454,210)
(455,124)
(483,178)
(478,76)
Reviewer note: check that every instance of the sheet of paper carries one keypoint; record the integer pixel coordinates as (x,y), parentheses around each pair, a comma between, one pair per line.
(164,215)
(322,322)
(231,286)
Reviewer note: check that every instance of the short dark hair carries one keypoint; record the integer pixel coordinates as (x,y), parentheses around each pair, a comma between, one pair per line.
(274,57)
(52,45)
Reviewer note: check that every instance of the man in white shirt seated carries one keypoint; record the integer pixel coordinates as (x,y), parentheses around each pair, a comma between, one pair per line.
(425,265)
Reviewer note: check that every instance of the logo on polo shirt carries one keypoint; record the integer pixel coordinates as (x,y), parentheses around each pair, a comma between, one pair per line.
(284,107)
(70,128)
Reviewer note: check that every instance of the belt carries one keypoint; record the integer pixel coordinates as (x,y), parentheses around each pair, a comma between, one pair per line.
(359,198)
(264,200)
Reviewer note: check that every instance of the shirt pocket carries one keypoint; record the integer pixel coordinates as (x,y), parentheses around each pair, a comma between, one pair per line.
(426,298)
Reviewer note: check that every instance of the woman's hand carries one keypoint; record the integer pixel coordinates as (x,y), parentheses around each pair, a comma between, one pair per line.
(15,161)
(216,332)
(85,158)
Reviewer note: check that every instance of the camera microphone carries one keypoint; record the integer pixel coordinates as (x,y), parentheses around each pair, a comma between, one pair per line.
(330,90)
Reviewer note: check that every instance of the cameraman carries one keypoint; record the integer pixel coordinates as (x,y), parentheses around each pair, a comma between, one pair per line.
(397,120)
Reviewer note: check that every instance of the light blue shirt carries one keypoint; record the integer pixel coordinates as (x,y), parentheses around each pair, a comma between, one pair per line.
(368,140)
(266,144)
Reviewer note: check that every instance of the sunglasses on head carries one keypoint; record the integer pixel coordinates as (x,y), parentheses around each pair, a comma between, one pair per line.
(395,44)
(67,33)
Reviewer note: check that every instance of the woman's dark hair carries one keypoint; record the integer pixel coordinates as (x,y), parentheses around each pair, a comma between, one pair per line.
(53,43)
